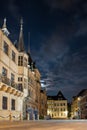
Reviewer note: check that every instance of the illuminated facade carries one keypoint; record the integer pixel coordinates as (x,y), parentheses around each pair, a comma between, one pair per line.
(33,98)
(11,93)
(57,106)
(83,104)
(75,107)
(43,104)
(79,105)
(19,79)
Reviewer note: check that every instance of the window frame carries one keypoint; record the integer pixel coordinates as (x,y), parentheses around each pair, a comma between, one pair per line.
(4,71)
(4,103)
(13,56)
(12,104)
(20,60)
(5,48)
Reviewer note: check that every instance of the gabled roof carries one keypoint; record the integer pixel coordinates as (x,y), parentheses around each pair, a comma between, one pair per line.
(59,96)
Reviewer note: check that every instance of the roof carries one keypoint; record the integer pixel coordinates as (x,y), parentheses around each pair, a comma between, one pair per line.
(81,93)
(30,61)
(59,96)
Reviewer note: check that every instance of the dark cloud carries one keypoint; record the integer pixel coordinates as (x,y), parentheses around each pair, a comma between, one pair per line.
(64,4)
(58,30)
(63,68)
(14,9)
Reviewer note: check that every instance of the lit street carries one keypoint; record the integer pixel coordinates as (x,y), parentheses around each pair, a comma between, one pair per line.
(44,125)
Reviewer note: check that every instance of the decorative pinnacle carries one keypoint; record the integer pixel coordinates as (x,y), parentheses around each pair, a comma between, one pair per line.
(4,25)
(4,28)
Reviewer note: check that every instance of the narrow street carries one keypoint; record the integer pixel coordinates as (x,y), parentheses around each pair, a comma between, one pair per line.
(44,125)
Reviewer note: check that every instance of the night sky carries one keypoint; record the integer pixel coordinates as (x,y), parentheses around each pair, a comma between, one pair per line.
(58,40)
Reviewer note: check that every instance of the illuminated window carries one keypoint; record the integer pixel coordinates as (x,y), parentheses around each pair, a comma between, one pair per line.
(12,104)
(5,48)
(13,55)
(4,102)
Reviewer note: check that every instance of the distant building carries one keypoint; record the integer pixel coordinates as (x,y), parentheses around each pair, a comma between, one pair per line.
(57,106)
(19,80)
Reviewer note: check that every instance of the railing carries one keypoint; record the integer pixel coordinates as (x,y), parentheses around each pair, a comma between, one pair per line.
(12,117)
(7,81)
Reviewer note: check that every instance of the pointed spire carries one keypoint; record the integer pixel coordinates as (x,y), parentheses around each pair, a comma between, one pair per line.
(4,28)
(21,41)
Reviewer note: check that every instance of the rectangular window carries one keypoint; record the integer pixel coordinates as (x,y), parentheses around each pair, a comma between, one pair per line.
(4,72)
(20,87)
(20,60)
(12,80)
(4,102)
(5,48)
(13,55)
(25,62)
(12,77)
(19,78)
(12,104)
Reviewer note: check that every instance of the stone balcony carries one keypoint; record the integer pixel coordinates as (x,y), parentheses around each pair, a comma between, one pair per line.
(8,86)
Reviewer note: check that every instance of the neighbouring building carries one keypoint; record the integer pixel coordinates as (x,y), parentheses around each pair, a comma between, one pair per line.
(19,79)
(75,107)
(57,106)
(33,98)
(83,104)
(79,105)
(43,103)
